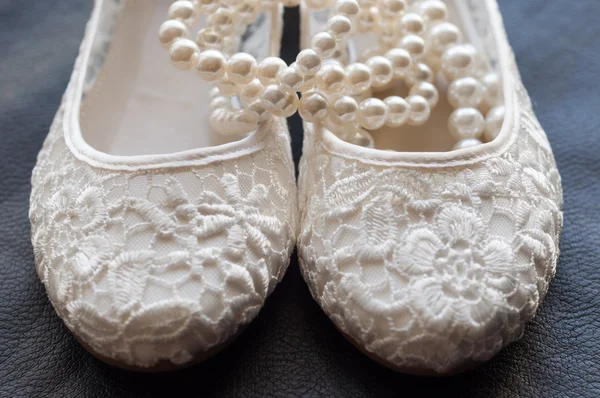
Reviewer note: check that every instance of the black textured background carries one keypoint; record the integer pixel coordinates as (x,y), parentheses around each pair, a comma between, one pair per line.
(292,349)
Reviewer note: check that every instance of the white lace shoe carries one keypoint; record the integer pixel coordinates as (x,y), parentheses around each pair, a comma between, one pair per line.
(157,239)
(430,259)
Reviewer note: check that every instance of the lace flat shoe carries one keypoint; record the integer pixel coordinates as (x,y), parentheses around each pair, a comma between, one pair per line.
(430,199)
(162,214)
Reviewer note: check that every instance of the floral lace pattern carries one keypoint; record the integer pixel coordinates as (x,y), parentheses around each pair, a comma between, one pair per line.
(432,268)
(161,264)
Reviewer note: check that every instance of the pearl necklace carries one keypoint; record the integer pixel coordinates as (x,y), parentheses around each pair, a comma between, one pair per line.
(415,41)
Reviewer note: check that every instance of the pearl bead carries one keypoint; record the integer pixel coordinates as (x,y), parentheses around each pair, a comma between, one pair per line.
(171,31)
(224,20)
(209,38)
(372,113)
(330,78)
(290,78)
(241,68)
(443,36)
(381,71)
(323,44)
(258,107)
(419,110)
(493,123)
(344,110)
(211,65)
(184,54)
(387,35)
(412,24)
(184,11)
(391,9)
(466,123)
(419,73)
(308,62)
(492,86)
(289,107)
(427,91)
(227,87)
(459,61)
(251,92)
(415,45)
(313,107)
(347,8)
(398,111)
(358,78)
(466,143)
(339,27)
(274,97)
(401,62)
(268,69)
(434,11)
(247,119)
(207,7)
(466,92)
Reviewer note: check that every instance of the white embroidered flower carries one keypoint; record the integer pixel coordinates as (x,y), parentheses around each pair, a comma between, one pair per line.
(462,277)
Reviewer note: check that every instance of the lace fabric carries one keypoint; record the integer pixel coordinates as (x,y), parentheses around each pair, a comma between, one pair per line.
(160,263)
(432,268)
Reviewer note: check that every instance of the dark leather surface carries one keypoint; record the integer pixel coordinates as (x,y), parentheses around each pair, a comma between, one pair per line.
(292,349)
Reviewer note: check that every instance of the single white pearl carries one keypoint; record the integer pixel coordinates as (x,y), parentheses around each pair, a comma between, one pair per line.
(459,61)
(290,78)
(412,24)
(184,54)
(257,106)
(466,143)
(493,123)
(421,72)
(434,11)
(401,62)
(343,110)
(184,11)
(171,31)
(313,107)
(224,20)
(289,107)
(323,44)
(443,36)
(347,8)
(466,123)
(339,27)
(427,91)
(211,65)
(227,87)
(465,92)
(209,38)
(274,97)
(372,113)
(492,85)
(330,78)
(398,111)
(391,9)
(419,110)
(308,62)
(247,119)
(414,44)
(268,69)
(358,78)
(381,71)
(251,92)
(241,68)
